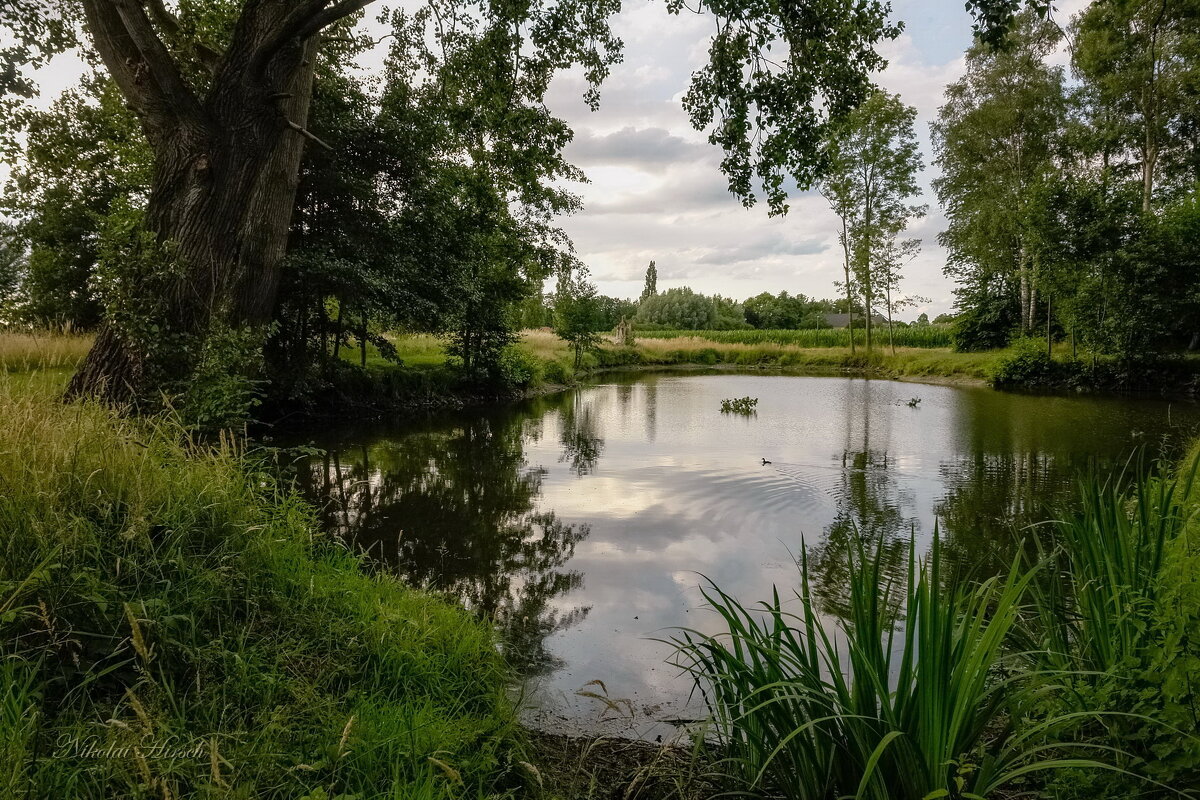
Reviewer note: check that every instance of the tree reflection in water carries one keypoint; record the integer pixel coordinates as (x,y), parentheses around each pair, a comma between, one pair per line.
(870,507)
(454,508)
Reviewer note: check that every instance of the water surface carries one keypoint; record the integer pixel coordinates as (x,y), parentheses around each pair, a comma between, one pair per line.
(585,522)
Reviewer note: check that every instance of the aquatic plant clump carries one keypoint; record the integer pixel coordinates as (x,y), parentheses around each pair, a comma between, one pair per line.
(901,703)
(739,405)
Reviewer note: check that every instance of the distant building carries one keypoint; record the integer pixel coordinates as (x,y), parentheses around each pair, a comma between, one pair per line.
(843,320)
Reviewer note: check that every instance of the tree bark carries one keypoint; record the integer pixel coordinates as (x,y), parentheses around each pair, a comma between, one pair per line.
(225,173)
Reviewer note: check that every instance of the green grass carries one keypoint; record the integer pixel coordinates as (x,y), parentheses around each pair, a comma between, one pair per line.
(925,336)
(156,591)
(1120,622)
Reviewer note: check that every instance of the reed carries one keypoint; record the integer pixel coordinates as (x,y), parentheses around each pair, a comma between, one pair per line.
(910,699)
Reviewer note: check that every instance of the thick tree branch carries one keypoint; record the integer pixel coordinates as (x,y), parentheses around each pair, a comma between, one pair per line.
(307,19)
(152,86)
(161,67)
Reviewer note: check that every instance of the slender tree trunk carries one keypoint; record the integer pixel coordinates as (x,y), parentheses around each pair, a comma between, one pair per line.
(1032,306)
(1023,273)
(850,307)
(362,340)
(1049,348)
(337,330)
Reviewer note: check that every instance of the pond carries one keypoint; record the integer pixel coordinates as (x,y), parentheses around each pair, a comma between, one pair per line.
(586,522)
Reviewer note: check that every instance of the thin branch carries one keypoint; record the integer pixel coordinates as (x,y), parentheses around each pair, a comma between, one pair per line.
(307,134)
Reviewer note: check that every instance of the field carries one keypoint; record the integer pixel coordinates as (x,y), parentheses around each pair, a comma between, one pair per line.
(925,336)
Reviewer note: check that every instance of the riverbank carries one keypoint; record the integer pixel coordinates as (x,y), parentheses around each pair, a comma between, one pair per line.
(173,625)
(541,363)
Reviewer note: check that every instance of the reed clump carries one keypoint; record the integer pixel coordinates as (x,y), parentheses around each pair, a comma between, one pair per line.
(1072,676)
(171,625)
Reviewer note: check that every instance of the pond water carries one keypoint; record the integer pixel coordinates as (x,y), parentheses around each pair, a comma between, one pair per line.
(586,522)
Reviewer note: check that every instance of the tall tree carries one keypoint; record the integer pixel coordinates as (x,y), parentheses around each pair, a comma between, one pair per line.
(651,287)
(1139,63)
(873,165)
(225,110)
(995,140)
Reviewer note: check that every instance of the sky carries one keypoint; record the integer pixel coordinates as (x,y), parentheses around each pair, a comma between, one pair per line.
(655,190)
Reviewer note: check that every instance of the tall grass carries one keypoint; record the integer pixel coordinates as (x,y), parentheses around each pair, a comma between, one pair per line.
(1119,620)
(924,336)
(909,702)
(24,351)
(1110,558)
(163,605)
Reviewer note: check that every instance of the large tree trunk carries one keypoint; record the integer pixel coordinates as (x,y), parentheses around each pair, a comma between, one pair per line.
(225,175)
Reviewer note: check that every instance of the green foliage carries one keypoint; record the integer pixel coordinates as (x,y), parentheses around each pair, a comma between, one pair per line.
(1118,623)
(577,314)
(1026,364)
(873,165)
(225,386)
(133,276)
(82,157)
(651,287)
(681,308)
(739,405)
(155,590)
(786,311)
(902,704)
(771,126)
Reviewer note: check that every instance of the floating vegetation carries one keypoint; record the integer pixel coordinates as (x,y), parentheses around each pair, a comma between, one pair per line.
(739,405)
(914,402)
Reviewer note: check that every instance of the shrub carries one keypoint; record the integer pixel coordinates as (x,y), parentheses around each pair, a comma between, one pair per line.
(520,369)
(1027,365)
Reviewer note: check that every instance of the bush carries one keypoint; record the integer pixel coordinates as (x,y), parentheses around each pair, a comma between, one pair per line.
(157,591)
(1027,365)
(520,369)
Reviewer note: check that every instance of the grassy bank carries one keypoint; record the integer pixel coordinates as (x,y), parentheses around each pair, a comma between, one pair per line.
(549,360)
(173,626)
(920,336)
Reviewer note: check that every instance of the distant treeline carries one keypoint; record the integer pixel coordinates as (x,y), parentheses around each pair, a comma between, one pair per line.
(682,309)
(907,336)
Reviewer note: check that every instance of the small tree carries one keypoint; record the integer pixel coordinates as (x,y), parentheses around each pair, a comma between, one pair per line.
(577,314)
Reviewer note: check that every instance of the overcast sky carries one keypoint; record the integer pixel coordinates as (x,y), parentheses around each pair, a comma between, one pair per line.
(656,191)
